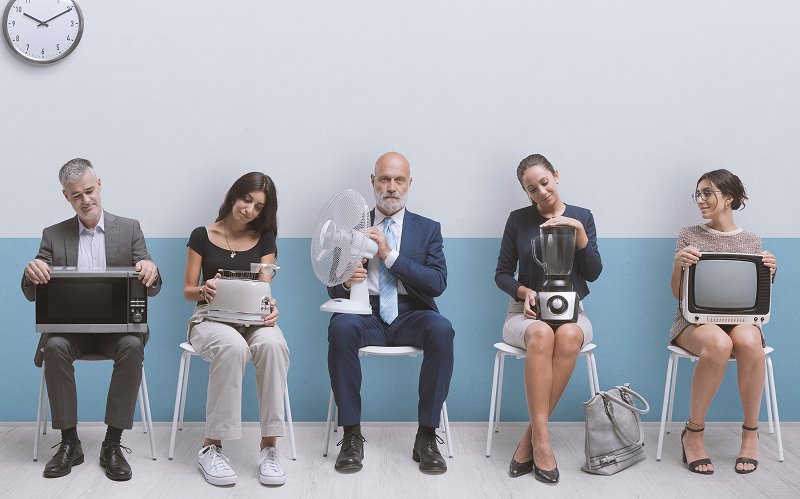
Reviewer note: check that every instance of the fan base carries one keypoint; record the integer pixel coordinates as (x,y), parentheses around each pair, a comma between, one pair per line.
(345,306)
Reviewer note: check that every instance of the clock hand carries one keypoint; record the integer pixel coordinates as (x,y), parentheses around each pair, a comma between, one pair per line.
(41,23)
(57,15)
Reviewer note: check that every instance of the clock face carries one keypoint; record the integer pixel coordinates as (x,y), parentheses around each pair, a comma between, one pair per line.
(42,31)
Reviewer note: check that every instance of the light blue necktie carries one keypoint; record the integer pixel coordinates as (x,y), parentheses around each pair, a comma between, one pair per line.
(386,281)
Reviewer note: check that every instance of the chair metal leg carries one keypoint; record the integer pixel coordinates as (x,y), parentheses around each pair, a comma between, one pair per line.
(665,405)
(289,419)
(45,410)
(774,397)
(675,364)
(590,371)
(39,408)
(499,393)
(146,416)
(140,398)
(492,402)
(767,400)
(328,424)
(596,376)
(447,430)
(178,398)
(185,389)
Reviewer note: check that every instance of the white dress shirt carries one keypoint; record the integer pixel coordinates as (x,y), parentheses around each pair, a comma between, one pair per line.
(92,245)
(373,266)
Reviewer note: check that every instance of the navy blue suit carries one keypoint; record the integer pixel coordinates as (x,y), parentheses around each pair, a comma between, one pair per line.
(422,270)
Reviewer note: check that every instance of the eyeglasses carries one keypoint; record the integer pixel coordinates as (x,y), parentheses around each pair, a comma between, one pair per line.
(704,195)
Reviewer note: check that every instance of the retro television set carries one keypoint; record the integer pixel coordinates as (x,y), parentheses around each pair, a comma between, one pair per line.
(727,288)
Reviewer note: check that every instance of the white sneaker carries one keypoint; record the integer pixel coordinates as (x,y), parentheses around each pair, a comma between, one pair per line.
(215,467)
(269,467)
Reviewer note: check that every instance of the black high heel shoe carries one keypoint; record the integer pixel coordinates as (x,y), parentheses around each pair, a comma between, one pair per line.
(747,460)
(546,476)
(516,468)
(695,464)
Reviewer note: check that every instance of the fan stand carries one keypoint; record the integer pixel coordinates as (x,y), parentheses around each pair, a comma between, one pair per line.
(358,303)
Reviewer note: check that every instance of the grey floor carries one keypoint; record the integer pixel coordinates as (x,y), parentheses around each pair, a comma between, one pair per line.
(388,468)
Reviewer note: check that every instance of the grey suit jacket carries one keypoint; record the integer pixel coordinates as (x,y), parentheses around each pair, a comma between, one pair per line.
(125,246)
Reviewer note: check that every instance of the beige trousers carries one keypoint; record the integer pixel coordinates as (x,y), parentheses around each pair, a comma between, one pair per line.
(228,347)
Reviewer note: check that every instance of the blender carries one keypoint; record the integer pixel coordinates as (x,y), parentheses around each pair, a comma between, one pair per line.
(557,302)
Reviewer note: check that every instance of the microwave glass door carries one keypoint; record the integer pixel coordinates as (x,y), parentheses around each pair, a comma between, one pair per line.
(85,300)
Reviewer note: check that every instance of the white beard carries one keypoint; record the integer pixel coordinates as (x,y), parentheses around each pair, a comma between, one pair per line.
(390,205)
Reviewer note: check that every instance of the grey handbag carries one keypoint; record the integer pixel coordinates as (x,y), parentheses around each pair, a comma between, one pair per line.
(614,436)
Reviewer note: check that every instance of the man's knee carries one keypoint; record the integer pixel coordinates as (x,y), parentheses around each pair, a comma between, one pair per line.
(130,346)
(57,348)
(440,332)
(344,331)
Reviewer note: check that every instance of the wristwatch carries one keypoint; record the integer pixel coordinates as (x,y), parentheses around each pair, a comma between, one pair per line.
(202,292)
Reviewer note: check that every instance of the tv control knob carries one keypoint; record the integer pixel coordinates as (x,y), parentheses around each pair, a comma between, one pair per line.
(137,317)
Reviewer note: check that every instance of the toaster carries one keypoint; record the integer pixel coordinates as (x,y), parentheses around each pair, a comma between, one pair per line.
(242,298)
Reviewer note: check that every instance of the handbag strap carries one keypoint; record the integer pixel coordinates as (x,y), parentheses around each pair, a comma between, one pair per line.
(608,396)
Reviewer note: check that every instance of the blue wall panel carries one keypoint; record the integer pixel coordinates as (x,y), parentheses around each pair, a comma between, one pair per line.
(630,306)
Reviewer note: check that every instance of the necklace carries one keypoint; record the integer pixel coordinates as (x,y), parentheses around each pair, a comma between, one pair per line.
(233,253)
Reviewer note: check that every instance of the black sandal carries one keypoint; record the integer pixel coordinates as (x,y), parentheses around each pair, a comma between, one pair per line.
(747,460)
(695,464)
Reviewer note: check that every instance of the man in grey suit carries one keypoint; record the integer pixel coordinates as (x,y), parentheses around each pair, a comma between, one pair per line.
(92,239)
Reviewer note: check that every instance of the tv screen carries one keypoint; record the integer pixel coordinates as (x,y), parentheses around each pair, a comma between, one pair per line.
(725,284)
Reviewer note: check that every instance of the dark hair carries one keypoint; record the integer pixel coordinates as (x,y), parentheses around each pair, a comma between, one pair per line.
(729,185)
(531,161)
(267,220)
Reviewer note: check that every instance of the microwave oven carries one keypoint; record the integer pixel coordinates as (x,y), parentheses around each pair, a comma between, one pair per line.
(112,300)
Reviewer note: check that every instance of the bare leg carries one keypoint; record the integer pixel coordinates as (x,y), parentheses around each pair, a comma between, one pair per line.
(540,342)
(713,347)
(269,442)
(750,372)
(210,441)
(566,345)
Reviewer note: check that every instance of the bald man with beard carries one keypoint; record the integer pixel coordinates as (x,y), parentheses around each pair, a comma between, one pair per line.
(408,272)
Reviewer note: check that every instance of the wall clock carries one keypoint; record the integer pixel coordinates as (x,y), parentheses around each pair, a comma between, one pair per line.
(42,31)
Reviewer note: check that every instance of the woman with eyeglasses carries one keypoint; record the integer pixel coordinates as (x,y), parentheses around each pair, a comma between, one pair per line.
(551,349)
(718,194)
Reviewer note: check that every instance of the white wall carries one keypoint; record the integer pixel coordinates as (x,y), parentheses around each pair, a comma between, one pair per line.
(631,100)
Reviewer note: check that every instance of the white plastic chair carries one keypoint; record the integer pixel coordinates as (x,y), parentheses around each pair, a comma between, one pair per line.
(180,401)
(385,352)
(42,409)
(669,396)
(504,350)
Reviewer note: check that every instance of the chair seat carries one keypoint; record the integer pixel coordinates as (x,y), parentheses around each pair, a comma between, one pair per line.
(685,354)
(520,352)
(401,350)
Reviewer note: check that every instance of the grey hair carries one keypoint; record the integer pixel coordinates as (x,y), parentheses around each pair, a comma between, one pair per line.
(73,170)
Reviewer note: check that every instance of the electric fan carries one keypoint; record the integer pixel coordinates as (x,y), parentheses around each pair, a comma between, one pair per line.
(339,241)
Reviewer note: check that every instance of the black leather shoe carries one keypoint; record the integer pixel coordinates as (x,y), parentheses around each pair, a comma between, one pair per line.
(351,454)
(546,476)
(427,454)
(69,454)
(112,459)
(516,468)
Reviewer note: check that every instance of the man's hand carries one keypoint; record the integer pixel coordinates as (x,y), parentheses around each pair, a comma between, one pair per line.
(37,272)
(359,276)
(148,272)
(379,237)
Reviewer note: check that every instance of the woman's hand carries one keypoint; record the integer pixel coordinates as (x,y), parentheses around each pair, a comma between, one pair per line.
(687,257)
(581,239)
(529,304)
(210,288)
(769,261)
(271,319)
